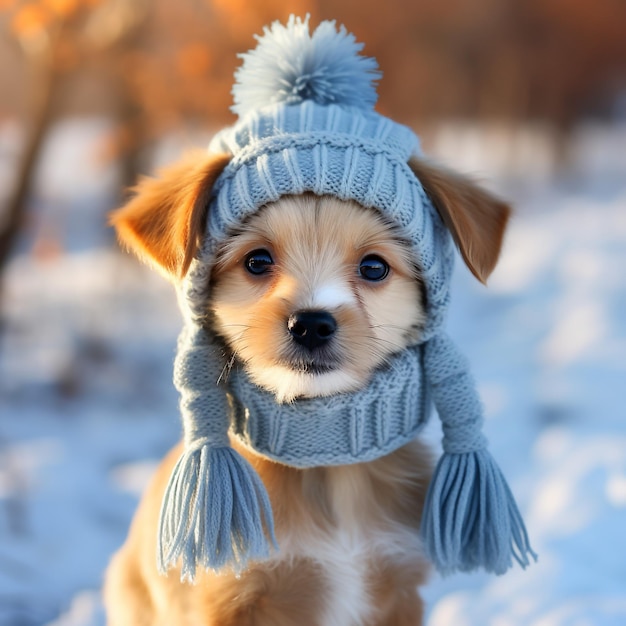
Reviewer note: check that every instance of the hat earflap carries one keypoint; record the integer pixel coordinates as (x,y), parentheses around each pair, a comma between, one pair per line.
(215,511)
(470,518)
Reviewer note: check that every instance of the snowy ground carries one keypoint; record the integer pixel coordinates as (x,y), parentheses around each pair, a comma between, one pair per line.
(87,406)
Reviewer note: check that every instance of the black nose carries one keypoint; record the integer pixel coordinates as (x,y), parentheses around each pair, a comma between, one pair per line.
(311,329)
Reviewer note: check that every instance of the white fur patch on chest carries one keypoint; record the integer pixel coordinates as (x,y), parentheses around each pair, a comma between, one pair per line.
(347,550)
(345,560)
(343,556)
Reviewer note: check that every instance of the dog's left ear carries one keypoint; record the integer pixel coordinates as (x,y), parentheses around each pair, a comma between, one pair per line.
(475,217)
(164,221)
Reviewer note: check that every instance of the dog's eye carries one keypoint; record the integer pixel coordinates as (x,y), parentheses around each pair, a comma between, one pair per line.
(372,267)
(258,262)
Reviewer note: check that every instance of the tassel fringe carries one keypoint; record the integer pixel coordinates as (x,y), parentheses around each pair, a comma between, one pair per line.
(470,518)
(215,513)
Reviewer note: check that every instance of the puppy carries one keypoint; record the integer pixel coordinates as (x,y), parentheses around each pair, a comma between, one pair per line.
(311,296)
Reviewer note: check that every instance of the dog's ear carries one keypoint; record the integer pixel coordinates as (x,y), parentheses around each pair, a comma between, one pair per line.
(475,217)
(164,221)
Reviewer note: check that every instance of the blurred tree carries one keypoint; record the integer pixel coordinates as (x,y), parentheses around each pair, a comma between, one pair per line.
(161,65)
(39,31)
(54,38)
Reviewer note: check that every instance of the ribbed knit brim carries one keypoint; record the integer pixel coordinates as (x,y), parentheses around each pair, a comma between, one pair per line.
(348,153)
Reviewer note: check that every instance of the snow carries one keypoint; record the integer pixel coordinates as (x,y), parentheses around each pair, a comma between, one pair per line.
(87,405)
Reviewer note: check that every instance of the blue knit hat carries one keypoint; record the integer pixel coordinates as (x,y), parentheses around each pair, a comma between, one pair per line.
(306,124)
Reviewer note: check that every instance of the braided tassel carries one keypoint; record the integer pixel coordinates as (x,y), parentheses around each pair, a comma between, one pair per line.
(215,512)
(470,517)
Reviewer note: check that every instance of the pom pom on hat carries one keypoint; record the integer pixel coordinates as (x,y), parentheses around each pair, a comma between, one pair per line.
(290,65)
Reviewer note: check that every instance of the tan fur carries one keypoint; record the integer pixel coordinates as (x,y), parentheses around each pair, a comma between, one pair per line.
(476,218)
(164,220)
(291,592)
(349,552)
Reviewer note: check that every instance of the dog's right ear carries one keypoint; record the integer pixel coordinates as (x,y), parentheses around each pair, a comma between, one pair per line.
(164,221)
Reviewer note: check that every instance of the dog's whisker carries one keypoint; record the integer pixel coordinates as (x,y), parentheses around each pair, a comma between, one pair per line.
(246,326)
(381,340)
(228,366)
(405,330)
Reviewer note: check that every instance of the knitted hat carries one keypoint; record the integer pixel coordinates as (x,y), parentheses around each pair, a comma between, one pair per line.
(306,124)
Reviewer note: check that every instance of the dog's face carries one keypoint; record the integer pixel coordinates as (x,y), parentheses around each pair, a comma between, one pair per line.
(313,293)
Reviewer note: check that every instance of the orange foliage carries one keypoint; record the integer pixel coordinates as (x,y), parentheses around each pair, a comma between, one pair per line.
(62,8)
(194,60)
(244,18)
(34,20)
(30,19)
(440,58)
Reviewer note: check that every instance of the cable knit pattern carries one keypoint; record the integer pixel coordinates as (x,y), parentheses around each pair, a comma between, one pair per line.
(337,430)
(216,512)
(197,369)
(455,396)
(350,153)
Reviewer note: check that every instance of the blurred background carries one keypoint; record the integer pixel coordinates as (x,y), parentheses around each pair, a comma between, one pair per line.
(529,96)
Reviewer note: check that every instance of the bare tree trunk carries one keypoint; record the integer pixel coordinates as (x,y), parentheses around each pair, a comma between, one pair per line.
(130,116)
(132,159)
(46,80)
